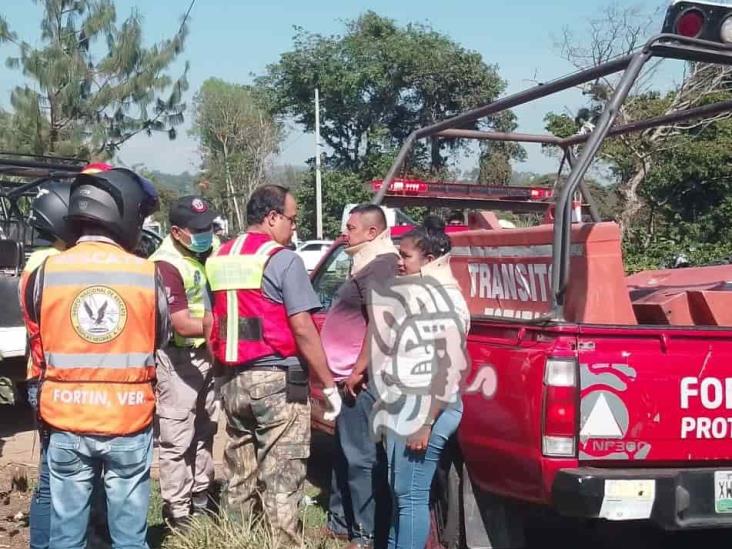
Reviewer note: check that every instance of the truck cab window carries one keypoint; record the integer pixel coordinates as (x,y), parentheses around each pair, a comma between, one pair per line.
(331,275)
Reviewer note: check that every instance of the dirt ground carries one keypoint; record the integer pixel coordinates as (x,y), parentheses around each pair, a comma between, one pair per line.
(19,448)
(19,466)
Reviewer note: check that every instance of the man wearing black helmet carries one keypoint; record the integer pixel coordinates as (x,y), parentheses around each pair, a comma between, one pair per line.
(102,314)
(48,210)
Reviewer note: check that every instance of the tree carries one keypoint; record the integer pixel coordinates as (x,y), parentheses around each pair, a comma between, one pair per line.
(339,188)
(673,181)
(632,158)
(378,82)
(92,84)
(238,139)
(494,166)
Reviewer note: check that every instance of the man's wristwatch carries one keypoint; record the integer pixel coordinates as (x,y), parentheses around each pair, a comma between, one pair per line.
(429,422)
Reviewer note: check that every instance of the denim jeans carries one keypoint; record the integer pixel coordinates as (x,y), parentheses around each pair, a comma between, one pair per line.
(73,462)
(359,502)
(410,480)
(40,507)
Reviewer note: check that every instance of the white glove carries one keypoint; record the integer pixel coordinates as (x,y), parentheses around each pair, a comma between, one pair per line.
(333,397)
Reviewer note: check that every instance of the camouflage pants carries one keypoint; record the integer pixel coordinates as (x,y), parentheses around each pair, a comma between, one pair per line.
(267,449)
(187,418)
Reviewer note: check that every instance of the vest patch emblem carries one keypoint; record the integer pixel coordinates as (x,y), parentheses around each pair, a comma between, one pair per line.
(98,314)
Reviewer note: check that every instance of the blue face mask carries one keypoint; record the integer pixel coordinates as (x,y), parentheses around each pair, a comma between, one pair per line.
(200,242)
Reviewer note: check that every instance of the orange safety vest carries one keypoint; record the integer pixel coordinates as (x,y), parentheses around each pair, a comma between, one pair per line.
(97,325)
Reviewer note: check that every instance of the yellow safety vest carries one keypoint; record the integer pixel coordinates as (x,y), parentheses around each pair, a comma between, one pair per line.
(35,260)
(193,274)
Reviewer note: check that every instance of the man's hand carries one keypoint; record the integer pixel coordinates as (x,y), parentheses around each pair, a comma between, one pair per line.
(333,398)
(354,382)
(418,441)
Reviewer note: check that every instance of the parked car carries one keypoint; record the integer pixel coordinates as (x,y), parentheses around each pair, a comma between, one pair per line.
(311,251)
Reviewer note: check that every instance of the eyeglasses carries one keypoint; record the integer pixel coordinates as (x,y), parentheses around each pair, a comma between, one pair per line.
(291,219)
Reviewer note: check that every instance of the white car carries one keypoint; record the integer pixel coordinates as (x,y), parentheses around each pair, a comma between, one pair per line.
(311,251)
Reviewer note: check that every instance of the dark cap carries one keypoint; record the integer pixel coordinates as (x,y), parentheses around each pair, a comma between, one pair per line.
(192,212)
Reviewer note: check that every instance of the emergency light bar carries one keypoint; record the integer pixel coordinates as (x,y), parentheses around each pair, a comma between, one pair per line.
(404,186)
(418,188)
(710,21)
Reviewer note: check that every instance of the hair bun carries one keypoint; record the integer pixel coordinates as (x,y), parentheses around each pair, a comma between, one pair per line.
(434,224)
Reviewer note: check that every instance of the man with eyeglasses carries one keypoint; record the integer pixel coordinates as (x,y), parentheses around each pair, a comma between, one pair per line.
(263,340)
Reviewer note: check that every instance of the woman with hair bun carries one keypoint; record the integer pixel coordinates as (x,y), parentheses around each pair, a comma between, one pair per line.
(424,255)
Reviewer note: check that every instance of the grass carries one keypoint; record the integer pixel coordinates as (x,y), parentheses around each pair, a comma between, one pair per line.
(223,531)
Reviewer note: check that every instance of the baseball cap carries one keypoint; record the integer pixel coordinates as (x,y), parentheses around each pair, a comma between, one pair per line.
(192,212)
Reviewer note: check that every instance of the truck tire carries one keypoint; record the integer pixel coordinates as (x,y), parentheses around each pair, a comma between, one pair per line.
(447,517)
(467,517)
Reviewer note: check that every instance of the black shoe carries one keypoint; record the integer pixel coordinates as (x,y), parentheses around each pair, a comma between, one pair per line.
(201,504)
(179,523)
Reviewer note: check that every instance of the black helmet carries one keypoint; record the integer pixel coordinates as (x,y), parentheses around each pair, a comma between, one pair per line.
(48,210)
(118,200)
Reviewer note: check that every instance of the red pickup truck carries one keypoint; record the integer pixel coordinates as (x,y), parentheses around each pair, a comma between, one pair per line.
(591,394)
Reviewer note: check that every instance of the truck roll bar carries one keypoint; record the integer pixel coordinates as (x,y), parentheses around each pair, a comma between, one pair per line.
(663,46)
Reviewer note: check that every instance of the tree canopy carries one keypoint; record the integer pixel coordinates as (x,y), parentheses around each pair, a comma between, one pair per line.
(91,84)
(378,82)
(672,182)
(238,139)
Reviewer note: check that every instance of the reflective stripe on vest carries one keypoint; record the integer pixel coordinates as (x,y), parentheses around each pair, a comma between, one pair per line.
(97,360)
(232,272)
(35,354)
(193,274)
(97,326)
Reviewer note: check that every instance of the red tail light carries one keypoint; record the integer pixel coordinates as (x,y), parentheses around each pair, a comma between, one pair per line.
(561,400)
(690,23)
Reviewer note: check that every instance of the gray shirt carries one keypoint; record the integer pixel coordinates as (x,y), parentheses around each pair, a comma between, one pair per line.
(287,281)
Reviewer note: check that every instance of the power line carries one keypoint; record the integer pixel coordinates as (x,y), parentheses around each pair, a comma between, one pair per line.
(185,17)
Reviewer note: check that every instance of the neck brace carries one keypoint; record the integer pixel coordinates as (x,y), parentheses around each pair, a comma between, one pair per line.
(366,252)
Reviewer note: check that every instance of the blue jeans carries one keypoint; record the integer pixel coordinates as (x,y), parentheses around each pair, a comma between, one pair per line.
(359,498)
(73,462)
(40,507)
(410,479)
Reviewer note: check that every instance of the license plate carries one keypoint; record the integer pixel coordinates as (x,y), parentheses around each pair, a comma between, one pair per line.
(628,499)
(723,491)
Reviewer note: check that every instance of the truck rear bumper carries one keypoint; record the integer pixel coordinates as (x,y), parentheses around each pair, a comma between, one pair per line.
(681,498)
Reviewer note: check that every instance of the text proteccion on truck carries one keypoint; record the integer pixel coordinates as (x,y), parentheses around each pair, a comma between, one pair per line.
(591,394)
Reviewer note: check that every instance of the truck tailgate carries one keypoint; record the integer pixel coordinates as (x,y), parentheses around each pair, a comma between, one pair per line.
(656,396)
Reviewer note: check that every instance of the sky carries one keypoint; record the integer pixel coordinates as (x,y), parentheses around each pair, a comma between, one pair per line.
(236,39)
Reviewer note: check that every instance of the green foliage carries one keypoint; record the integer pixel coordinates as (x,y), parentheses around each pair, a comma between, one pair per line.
(685,183)
(338,189)
(237,138)
(92,84)
(494,167)
(378,82)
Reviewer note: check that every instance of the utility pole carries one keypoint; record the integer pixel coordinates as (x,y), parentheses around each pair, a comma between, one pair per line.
(318,186)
